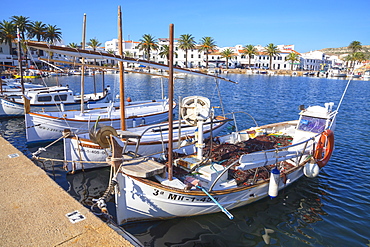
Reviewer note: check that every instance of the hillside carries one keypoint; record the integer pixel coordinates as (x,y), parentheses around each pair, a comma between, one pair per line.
(344,50)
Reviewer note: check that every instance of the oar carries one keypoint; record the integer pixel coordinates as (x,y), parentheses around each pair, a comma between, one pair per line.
(218,204)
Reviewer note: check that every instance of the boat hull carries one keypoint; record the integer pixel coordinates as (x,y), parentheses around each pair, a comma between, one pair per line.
(83,149)
(42,127)
(10,108)
(139,199)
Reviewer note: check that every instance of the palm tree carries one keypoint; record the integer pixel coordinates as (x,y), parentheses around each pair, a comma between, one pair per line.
(292,57)
(94,43)
(271,51)
(148,43)
(53,34)
(357,56)
(207,45)
(355,46)
(165,52)
(22,23)
(7,33)
(228,54)
(250,50)
(73,45)
(37,30)
(127,53)
(186,42)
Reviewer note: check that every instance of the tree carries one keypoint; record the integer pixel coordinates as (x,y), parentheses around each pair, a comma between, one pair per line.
(53,34)
(22,23)
(292,57)
(148,43)
(355,46)
(165,52)
(73,45)
(94,43)
(357,57)
(37,30)
(271,51)
(7,33)
(207,45)
(250,50)
(186,42)
(228,54)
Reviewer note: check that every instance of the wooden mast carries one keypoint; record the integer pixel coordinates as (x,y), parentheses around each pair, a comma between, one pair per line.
(170,101)
(20,60)
(121,72)
(83,66)
(26,105)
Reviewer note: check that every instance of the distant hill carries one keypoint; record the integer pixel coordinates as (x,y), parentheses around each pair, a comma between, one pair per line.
(344,50)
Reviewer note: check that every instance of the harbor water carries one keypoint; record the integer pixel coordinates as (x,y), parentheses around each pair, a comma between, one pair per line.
(329,210)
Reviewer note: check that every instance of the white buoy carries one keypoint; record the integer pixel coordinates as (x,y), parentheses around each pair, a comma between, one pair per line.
(311,170)
(274,182)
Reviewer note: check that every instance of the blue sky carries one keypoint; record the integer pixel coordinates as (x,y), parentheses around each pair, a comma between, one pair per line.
(309,25)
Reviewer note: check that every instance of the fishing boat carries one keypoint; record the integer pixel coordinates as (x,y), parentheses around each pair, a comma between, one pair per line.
(91,150)
(14,87)
(336,72)
(47,99)
(29,74)
(49,126)
(236,169)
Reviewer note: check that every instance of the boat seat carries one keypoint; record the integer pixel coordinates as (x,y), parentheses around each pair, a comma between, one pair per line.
(124,134)
(142,167)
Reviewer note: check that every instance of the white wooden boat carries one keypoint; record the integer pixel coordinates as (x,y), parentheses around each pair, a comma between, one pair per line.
(336,72)
(14,87)
(85,151)
(47,99)
(366,75)
(49,126)
(216,181)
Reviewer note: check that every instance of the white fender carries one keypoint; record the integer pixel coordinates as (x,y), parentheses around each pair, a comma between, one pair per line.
(311,170)
(274,182)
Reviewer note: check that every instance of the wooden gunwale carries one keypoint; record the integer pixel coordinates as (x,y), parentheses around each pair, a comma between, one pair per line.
(213,192)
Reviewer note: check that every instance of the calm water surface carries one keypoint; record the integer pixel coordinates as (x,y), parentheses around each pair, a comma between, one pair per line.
(330,210)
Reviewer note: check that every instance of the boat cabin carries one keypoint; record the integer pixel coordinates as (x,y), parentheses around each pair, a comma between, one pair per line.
(51,95)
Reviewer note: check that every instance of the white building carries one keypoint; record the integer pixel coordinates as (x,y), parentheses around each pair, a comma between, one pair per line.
(316,60)
(197,58)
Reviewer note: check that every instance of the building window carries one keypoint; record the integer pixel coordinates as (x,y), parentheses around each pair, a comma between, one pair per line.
(1,49)
(192,56)
(184,56)
(199,56)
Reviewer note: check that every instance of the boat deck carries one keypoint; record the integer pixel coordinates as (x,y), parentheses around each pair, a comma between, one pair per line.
(141,167)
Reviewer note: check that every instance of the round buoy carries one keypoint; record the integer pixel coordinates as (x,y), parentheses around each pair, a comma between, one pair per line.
(311,170)
(274,182)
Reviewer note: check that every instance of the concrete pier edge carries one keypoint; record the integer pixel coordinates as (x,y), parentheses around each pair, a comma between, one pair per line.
(34,208)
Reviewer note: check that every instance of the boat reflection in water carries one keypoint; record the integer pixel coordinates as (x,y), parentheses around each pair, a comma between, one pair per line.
(88,185)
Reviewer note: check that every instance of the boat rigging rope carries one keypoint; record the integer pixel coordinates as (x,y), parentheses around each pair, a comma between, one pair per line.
(42,149)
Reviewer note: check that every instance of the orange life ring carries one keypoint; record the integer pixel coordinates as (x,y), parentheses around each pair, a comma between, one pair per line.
(324,148)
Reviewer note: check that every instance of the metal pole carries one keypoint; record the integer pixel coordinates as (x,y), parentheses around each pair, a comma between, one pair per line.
(170,112)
